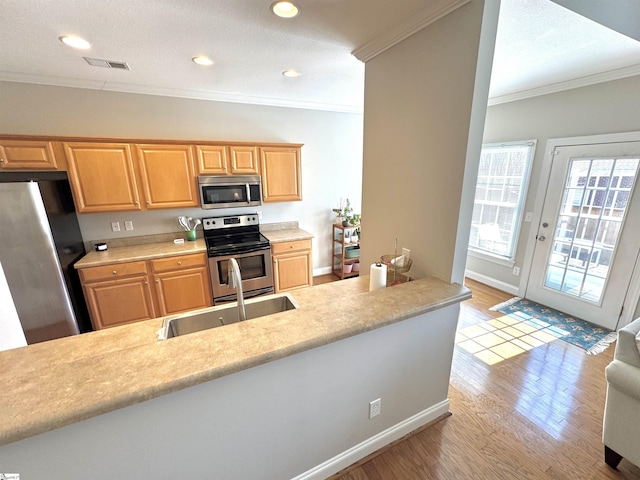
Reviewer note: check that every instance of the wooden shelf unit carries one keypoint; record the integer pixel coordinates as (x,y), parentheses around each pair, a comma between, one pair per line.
(339,259)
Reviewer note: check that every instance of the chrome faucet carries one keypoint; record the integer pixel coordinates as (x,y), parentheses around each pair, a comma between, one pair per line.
(235,281)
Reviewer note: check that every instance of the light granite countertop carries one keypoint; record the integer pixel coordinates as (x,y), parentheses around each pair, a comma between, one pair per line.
(286,235)
(52,384)
(150,251)
(134,253)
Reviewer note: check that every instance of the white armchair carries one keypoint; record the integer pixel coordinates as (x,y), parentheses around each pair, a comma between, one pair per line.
(621,428)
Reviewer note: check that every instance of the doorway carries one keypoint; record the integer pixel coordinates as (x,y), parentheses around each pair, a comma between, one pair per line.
(588,236)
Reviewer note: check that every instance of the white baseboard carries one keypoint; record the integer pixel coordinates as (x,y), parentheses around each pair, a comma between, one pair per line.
(375,443)
(492,282)
(321,271)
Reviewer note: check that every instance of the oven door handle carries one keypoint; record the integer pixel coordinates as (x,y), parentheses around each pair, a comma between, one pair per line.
(246,185)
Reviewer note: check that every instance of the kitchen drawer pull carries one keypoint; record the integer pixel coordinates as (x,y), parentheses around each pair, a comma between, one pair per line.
(115,272)
(179,263)
(157,281)
(292,246)
(146,283)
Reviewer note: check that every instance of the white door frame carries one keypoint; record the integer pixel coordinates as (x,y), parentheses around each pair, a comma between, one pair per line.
(630,301)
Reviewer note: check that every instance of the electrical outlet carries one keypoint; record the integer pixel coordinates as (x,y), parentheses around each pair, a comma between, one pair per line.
(128,225)
(516,271)
(374,408)
(528,216)
(406,252)
(115,226)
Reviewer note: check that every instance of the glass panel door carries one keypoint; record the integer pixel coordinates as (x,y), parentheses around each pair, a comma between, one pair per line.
(588,239)
(594,205)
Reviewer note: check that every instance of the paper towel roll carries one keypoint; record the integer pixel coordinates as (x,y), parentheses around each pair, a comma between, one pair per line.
(377,276)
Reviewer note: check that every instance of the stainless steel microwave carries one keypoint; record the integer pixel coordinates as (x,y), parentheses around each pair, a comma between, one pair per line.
(230,191)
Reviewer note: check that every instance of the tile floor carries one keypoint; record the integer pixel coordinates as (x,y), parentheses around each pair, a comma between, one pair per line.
(504,337)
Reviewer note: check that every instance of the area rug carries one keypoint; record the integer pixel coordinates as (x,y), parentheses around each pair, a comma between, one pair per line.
(589,337)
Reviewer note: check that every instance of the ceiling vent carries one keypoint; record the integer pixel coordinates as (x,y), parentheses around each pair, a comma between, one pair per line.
(98,62)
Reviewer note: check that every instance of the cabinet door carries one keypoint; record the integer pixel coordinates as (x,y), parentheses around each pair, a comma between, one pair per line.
(292,271)
(167,176)
(183,290)
(27,155)
(212,159)
(281,177)
(102,177)
(243,160)
(116,302)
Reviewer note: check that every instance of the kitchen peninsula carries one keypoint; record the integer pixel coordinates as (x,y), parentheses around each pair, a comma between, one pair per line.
(280,396)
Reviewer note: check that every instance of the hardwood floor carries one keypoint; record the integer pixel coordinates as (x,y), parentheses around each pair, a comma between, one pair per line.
(537,415)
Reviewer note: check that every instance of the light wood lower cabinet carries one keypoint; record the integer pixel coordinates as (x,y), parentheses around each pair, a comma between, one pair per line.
(134,291)
(292,265)
(182,283)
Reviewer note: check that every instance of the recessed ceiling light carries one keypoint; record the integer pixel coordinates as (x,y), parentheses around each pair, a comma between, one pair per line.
(285,9)
(202,60)
(75,42)
(291,73)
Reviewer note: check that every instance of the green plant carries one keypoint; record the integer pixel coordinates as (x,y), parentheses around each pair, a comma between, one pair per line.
(344,209)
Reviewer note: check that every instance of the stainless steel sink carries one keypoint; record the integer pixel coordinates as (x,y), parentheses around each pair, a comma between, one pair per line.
(212,317)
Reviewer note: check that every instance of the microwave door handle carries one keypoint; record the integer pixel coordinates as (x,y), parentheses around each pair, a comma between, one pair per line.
(248,192)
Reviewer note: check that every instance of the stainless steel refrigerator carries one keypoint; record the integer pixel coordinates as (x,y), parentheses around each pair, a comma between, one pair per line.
(40,240)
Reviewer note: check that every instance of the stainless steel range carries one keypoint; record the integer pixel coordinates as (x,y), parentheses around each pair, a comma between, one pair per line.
(238,237)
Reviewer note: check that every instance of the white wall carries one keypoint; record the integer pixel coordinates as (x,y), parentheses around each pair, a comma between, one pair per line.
(610,107)
(271,422)
(418,112)
(331,156)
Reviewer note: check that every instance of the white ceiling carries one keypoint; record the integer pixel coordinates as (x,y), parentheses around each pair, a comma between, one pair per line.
(541,47)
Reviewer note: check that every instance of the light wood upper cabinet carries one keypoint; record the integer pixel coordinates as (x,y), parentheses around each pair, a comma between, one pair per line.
(168,176)
(212,159)
(27,155)
(102,177)
(243,160)
(227,159)
(281,176)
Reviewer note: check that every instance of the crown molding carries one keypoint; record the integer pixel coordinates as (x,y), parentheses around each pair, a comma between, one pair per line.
(434,12)
(594,79)
(179,93)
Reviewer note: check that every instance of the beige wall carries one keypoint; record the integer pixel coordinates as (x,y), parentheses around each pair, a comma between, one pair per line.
(331,156)
(418,112)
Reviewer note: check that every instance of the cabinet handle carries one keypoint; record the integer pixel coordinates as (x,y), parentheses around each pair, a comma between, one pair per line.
(179,263)
(1,160)
(157,281)
(146,283)
(137,204)
(291,246)
(114,272)
(148,202)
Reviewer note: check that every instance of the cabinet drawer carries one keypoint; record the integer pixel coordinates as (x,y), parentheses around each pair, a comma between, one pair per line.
(117,270)
(179,262)
(293,246)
